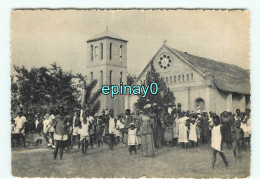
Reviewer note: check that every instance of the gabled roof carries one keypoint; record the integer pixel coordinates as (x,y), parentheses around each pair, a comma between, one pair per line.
(106,34)
(227,77)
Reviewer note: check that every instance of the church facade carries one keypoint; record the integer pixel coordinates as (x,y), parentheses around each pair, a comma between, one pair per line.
(197,81)
(107,63)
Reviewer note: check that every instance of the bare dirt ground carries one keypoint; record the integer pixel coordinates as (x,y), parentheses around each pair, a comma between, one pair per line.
(101,162)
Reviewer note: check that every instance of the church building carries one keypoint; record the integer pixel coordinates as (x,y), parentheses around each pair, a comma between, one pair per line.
(212,85)
(107,63)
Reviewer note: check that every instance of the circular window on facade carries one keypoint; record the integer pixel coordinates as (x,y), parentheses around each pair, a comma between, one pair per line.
(164,62)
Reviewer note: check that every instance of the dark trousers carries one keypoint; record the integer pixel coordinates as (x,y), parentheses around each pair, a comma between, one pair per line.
(84,146)
(74,139)
(132,148)
(59,146)
(111,141)
(18,136)
(91,140)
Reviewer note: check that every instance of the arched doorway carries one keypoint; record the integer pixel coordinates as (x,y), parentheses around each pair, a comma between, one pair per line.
(199,102)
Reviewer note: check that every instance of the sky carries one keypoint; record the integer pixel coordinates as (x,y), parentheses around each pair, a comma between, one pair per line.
(42,37)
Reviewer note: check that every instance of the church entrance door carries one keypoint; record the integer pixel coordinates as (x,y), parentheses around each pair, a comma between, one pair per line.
(199,105)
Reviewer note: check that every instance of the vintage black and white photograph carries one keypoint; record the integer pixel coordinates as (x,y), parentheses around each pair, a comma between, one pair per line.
(132,93)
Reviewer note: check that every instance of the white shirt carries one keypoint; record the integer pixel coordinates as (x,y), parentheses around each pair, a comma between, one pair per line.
(46,123)
(84,129)
(112,126)
(50,119)
(216,138)
(19,122)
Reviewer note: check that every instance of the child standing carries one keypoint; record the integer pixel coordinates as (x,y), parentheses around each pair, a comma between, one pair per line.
(132,138)
(238,136)
(216,141)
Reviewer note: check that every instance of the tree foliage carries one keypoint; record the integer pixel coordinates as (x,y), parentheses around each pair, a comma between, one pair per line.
(164,95)
(90,100)
(39,89)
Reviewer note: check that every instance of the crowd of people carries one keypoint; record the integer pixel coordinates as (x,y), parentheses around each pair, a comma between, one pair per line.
(146,130)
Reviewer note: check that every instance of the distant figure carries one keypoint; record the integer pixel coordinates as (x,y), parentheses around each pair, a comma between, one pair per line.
(76,123)
(237,116)
(84,135)
(19,125)
(137,121)
(238,136)
(198,109)
(99,131)
(193,133)
(90,120)
(245,129)
(168,127)
(226,125)
(110,129)
(183,130)
(51,129)
(176,129)
(61,132)
(205,128)
(127,121)
(147,133)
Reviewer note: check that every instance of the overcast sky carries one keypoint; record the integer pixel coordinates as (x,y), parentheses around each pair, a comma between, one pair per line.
(41,37)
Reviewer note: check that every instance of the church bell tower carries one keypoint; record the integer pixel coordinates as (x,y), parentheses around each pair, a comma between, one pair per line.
(107,63)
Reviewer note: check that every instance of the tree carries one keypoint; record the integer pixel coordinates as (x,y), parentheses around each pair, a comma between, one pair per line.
(38,89)
(90,101)
(164,95)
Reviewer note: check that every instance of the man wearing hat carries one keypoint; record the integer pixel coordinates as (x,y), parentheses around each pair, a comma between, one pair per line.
(19,125)
(76,123)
